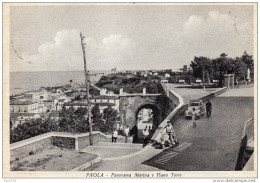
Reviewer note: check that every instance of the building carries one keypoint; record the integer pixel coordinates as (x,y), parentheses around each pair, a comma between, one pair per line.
(113,71)
(167,75)
(145,118)
(185,68)
(105,101)
(155,74)
(48,104)
(58,103)
(198,81)
(20,118)
(36,95)
(104,91)
(140,73)
(76,105)
(181,80)
(26,106)
(177,70)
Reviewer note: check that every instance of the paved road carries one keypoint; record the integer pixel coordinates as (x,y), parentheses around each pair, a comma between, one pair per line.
(213,144)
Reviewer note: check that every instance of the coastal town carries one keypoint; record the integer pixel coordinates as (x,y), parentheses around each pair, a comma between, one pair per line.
(47,102)
(136,91)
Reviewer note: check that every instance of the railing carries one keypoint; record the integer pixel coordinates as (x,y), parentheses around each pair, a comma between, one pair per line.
(247,136)
(249,129)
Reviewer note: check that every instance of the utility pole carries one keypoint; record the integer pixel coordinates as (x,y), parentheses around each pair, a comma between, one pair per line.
(87,81)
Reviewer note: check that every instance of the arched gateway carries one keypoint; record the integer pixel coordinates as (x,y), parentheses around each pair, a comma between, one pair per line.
(132,108)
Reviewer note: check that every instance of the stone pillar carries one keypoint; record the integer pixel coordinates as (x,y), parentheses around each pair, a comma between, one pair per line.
(77,144)
(121,91)
(144,91)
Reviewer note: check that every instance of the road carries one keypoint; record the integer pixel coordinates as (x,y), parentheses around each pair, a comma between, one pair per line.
(213,145)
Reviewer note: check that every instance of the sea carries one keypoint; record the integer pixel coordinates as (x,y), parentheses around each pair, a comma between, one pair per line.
(21,82)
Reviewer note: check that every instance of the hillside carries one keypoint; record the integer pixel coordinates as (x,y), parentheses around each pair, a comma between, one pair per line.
(130,83)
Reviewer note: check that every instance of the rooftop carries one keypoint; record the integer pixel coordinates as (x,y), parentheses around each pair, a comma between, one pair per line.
(15,115)
(21,102)
(104,104)
(77,103)
(105,97)
(36,92)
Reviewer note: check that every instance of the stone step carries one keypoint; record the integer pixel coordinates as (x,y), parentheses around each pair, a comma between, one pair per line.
(118,144)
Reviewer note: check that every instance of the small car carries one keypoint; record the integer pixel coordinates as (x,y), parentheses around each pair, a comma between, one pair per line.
(199,109)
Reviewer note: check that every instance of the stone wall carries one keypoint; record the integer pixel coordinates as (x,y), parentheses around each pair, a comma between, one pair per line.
(64,142)
(32,146)
(60,139)
(83,141)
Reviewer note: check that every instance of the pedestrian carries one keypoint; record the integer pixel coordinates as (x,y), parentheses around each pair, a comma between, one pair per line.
(208,109)
(114,135)
(126,133)
(193,113)
(150,134)
(145,136)
(121,129)
(171,133)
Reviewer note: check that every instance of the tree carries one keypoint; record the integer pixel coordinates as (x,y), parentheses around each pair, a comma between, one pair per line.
(96,116)
(81,124)
(249,61)
(78,97)
(110,116)
(202,68)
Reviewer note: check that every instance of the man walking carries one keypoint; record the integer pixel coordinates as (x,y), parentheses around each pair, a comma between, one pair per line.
(145,136)
(114,135)
(193,113)
(208,109)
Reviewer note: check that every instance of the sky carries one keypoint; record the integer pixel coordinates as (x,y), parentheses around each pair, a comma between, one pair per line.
(132,37)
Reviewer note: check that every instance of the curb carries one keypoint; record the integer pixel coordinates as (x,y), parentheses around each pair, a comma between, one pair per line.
(88,164)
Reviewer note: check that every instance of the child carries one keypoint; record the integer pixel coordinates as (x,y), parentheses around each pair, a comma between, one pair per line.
(194,117)
(126,133)
(114,135)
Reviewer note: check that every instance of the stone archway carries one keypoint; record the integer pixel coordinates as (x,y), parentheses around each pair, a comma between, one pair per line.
(156,120)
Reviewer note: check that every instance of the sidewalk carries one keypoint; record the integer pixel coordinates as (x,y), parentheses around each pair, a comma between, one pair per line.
(188,93)
(131,162)
(239,92)
(109,150)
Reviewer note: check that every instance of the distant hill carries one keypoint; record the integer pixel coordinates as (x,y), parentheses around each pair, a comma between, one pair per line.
(130,83)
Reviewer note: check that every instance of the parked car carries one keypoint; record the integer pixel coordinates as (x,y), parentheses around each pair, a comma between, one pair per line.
(199,109)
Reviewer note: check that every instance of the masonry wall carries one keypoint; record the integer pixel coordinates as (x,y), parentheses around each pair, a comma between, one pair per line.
(83,142)
(60,139)
(33,147)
